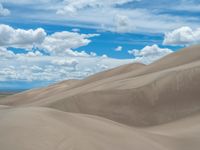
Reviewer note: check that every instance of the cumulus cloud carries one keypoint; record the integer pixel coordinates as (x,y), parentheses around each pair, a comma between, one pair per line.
(149,54)
(119,48)
(61,62)
(37,41)
(30,54)
(66,62)
(74,53)
(4,11)
(63,42)
(54,68)
(182,36)
(59,43)
(6,54)
(93,54)
(19,38)
(8,73)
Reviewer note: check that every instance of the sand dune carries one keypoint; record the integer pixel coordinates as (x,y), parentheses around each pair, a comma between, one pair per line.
(47,129)
(137,97)
(144,105)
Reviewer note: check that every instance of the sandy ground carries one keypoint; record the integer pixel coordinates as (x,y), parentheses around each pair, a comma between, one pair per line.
(154,107)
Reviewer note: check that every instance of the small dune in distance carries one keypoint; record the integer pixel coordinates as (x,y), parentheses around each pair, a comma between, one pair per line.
(131,107)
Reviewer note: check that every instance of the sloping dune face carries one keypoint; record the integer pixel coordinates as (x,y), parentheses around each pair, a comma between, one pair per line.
(36,128)
(154,107)
(47,129)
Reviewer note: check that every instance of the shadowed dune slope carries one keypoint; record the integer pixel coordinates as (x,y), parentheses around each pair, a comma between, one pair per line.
(164,91)
(113,72)
(143,101)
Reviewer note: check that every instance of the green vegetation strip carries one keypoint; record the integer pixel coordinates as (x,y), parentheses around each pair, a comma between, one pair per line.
(4,95)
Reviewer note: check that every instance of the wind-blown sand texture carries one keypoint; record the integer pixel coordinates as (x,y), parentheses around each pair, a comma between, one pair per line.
(135,106)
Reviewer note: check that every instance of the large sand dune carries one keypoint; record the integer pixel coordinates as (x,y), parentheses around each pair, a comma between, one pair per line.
(144,106)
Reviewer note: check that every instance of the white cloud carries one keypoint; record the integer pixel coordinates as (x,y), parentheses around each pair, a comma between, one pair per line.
(19,38)
(30,54)
(59,43)
(74,53)
(4,53)
(93,54)
(91,14)
(35,68)
(119,48)
(123,24)
(7,73)
(182,36)
(34,54)
(149,54)
(104,56)
(63,42)
(4,11)
(142,17)
(66,62)
(72,6)
(62,63)
(115,19)
(54,68)
(188,5)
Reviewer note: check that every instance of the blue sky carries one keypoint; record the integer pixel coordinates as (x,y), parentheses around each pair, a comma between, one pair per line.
(47,41)
(106,42)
